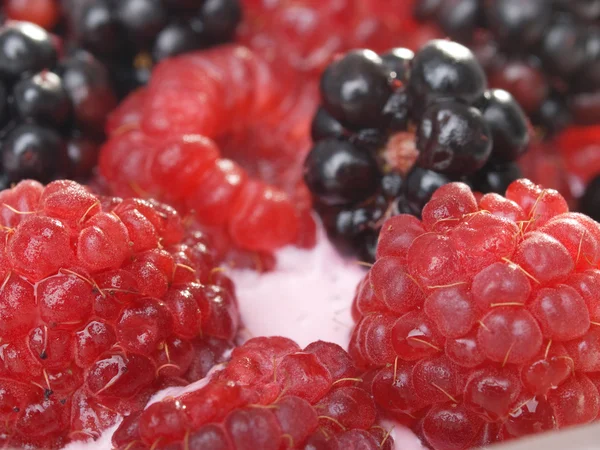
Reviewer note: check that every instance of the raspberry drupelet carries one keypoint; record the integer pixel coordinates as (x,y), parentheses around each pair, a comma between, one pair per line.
(173,140)
(395,126)
(103,301)
(271,395)
(480,322)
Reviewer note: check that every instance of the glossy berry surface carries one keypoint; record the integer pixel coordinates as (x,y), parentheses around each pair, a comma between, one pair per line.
(481,316)
(271,395)
(131,35)
(48,105)
(537,50)
(393,128)
(355,88)
(444,69)
(103,302)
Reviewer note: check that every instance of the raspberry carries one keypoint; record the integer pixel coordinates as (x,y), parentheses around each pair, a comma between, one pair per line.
(483,315)
(44,13)
(103,301)
(271,395)
(162,145)
(368,164)
(306,34)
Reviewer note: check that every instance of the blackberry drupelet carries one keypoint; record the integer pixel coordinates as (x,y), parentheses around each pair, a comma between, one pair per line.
(393,128)
(590,202)
(52,109)
(131,35)
(546,53)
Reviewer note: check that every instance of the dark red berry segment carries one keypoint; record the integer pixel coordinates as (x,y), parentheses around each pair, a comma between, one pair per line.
(482,315)
(271,395)
(103,301)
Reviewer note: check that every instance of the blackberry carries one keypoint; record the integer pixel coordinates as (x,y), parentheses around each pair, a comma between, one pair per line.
(131,35)
(52,109)
(392,128)
(590,202)
(538,50)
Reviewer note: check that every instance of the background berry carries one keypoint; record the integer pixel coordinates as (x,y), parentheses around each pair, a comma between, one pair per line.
(52,108)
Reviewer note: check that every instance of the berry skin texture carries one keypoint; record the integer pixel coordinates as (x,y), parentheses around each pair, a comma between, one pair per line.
(483,314)
(271,395)
(103,302)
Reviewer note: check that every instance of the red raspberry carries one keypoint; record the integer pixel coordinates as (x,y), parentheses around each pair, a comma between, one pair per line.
(162,145)
(44,13)
(103,301)
(307,34)
(483,315)
(579,148)
(272,395)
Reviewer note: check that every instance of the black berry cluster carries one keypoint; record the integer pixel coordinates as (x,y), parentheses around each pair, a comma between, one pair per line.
(392,128)
(52,108)
(545,52)
(131,35)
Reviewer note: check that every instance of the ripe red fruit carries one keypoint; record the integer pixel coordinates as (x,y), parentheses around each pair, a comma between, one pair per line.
(271,395)
(44,13)
(172,141)
(94,314)
(483,327)
(307,34)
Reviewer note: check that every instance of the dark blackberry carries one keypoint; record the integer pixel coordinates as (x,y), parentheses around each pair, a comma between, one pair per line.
(507,123)
(459,18)
(495,177)
(383,150)
(325,126)
(48,107)
(516,23)
(398,62)
(338,173)
(355,88)
(590,202)
(130,36)
(453,139)
(553,115)
(25,49)
(420,186)
(445,70)
(538,50)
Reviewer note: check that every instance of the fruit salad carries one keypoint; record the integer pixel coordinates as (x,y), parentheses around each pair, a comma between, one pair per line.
(299,224)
